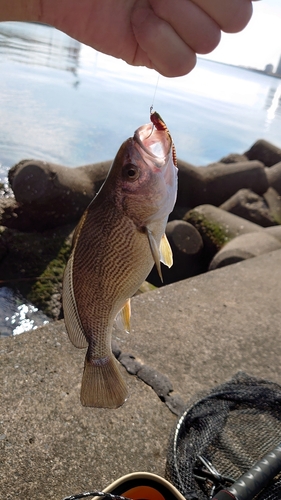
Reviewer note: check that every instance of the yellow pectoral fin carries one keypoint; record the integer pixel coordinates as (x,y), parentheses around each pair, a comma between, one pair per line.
(166,254)
(155,252)
(124,316)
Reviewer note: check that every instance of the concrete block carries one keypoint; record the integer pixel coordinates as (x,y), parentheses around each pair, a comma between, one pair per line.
(249,205)
(264,151)
(245,246)
(217,226)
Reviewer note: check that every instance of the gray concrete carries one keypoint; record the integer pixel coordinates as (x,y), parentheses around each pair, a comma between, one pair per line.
(217,183)
(198,332)
(273,175)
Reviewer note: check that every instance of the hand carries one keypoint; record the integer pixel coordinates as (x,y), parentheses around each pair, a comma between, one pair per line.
(160,34)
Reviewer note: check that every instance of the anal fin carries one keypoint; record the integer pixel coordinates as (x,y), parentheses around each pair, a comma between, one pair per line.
(124,316)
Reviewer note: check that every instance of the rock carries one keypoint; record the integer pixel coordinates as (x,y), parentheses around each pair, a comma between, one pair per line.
(45,181)
(156,380)
(34,263)
(265,152)
(273,175)
(249,205)
(187,245)
(273,200)
(188,179)
(220,182)
(233,158)
(7,210)
(245,247)
(215,185)
(178,213)
(115,348)
(51,195)
(184,238)
(274,231)
(160,383)
(15,216)
(217,226)
(175,403)
(3,246)
(130,363)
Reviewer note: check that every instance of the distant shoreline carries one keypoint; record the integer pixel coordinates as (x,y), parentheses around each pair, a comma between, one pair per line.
(261,71)
(247,68)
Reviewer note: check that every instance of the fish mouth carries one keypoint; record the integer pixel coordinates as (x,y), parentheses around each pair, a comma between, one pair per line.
(154,138)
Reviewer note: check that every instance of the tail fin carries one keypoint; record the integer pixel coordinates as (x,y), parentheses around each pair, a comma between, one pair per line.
(102,384)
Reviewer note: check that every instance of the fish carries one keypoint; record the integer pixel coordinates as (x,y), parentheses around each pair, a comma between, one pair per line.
(119,238)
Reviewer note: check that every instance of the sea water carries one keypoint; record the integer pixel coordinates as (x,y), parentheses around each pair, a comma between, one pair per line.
(64,102)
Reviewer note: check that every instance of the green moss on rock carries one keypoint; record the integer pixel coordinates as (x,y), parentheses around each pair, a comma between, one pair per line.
(34,263)
(48,286)
(215,234)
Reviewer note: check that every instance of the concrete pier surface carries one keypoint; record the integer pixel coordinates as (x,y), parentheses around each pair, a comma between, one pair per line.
(196,333)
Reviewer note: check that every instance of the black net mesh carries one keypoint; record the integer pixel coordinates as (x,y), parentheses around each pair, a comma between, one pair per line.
(229,430)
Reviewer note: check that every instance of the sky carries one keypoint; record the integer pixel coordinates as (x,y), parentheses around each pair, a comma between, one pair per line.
(258,44)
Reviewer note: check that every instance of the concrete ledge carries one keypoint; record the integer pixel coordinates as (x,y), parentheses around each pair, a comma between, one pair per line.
(197,332)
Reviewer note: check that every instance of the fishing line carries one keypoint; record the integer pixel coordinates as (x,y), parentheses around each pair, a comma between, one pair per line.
(156,87)
(151,107)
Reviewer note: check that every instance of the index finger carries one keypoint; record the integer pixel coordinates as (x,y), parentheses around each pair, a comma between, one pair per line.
(231,15)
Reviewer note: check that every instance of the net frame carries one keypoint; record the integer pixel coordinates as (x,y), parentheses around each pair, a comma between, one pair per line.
(232,427)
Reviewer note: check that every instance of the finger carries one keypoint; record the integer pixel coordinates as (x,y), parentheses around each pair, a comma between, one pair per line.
(231,15)
(200,32)
(168,53)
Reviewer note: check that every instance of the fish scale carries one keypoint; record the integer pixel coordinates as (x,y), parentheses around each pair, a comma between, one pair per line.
(111,263)
(120,237)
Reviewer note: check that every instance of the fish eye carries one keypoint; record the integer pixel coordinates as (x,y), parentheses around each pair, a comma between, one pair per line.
(131,172)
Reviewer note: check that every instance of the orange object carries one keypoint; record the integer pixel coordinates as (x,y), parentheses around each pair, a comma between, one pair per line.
(143,486)
(143,493)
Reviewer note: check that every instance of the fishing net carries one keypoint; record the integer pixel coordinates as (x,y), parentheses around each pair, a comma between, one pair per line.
(221,435)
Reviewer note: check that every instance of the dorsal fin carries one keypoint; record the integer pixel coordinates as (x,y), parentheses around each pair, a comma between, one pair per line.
(71,316)
(78,228)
